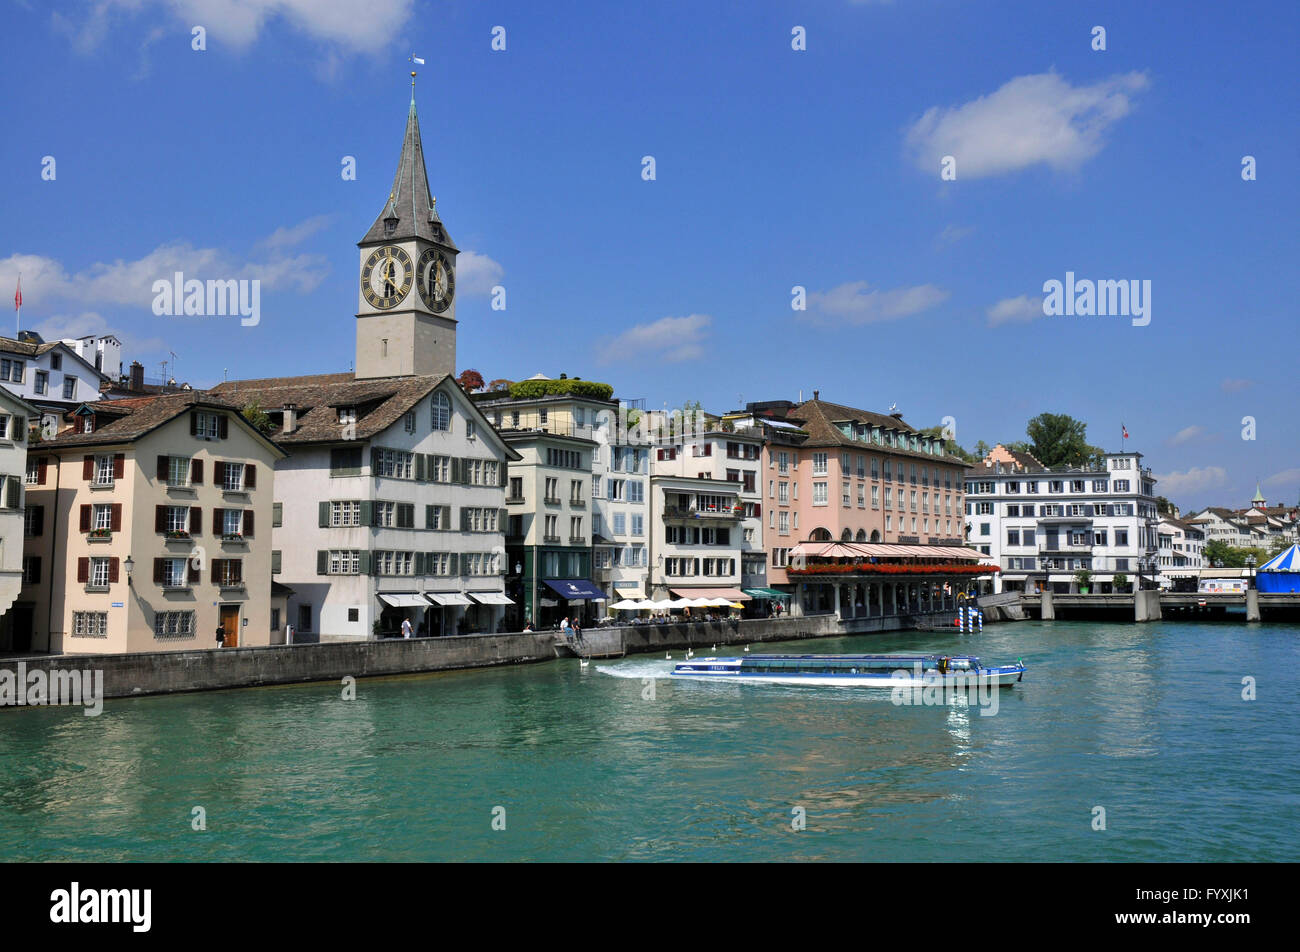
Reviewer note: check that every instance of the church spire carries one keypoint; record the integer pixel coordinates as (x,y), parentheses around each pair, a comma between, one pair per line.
(410,211)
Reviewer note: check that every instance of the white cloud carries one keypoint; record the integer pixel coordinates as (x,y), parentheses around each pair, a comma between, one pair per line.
(1288,477)
(476,273)
(291,235)
(856,302)
(91,324)
(1030,120)
(669,339)
(1185,434)
(1194,480)
(953,234)
(1236,385)
(1016,310)
(338,24)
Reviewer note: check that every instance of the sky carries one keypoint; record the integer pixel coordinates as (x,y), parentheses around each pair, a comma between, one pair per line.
(876,215)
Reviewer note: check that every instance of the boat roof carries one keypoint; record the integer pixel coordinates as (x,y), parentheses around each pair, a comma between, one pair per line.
(859,657)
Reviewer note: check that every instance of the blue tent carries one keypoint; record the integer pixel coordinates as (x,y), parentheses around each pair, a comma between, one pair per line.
(1280,573)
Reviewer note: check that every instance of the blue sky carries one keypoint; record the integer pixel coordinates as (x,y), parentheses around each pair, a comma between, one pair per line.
(775,168)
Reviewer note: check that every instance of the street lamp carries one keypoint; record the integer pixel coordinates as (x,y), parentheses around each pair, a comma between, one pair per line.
(129,564)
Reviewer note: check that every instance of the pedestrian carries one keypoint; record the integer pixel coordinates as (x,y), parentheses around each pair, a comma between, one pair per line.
(406,628)
(288,634)
(564,625)
(221,636)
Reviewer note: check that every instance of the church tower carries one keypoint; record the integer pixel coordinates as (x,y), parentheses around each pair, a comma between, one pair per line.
(406,318)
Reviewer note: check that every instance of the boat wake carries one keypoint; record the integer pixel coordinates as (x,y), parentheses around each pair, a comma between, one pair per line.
(638,669)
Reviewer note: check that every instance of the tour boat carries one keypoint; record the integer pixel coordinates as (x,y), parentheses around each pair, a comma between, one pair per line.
(889,671)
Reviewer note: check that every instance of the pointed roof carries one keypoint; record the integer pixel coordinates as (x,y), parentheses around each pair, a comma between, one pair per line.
(1259,496)
(409,201)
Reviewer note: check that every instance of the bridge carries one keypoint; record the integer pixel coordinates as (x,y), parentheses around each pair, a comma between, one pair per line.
(1156,606)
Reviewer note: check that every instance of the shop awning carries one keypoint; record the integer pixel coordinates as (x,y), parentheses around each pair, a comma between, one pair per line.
(730,594)
(765,593)
(490,598)
(575,589)
(403,599)
(449,598)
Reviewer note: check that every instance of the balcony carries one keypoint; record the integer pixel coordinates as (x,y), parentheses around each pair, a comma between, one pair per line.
(552,500)
(578,503)
(514,500)
(732,514)
(552,539)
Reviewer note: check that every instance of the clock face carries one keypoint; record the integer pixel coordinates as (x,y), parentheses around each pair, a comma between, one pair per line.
(386,277)
(436,280)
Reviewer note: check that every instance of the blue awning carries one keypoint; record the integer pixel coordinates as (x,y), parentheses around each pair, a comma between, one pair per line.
(575,588)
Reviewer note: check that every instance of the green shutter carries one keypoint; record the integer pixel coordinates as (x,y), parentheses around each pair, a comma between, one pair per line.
(428,517)
(419,563)
(275,561)
(367,514)
(374,461)
(322,562)
(503,470)
(502,519)
(419,466)
(277,514)
(454,567)
(324,514)
(365,563)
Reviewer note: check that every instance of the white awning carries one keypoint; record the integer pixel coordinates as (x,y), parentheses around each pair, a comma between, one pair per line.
(490,598)
(449,598)
(403,599)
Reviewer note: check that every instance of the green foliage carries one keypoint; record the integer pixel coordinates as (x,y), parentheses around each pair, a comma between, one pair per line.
(1164,506)
(531,389)
(1057,439)
(1235,558)
(256,416)
(1120,581)
(951,447)
(1083,577)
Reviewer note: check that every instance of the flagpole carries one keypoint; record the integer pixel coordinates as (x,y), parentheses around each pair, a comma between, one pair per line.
(18,308)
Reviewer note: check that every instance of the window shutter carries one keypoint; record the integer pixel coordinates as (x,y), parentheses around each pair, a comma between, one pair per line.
(758,510)
(374,461)
(157,571)
(323,514)
(164,468)
(115,517)
(85,518)
(194,424)
(502,469)
(42,464)
(218,517)
(464,519)
(277,514)
(364,563)
(275,561)
(419,563)
(88,468)
(196,520)
(193,573)
(223,428)
(367,513)
(119,465)
(419,467)
(83,570)
(218,473)
(216,570)
(236,570)
(322,562)
(196,472)
(455,469)
(113,571)
(502,516)
(248,523)
(159,518)
(453,564)
(428,517)
(250,476)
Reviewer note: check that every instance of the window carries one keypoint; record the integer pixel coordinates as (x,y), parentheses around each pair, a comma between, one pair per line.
(346,513)
(172,573)
(12,370)
(232,477)
(347,415)
(1031,486)
(344,562)
(178,519)
(875,497)
(103,471)
(819,464)
(1015,510)
(440,412)
(783,462)
(620,523)
(90,624)
(575,527)
(1121,485)
(1013,537)
(178,470)
(42,382)
(616,489)
(207,426)
(785,523)
(232,522)
(408,423)
(820,494)
(635,490)
(1121,537)
(394,464)
(99,571)
(33,475)
(846,495)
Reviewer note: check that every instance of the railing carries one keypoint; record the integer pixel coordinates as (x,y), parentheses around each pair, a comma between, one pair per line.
(688,512)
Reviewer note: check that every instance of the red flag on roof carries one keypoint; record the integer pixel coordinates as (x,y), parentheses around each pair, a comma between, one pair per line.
(1125,429)
(18,295)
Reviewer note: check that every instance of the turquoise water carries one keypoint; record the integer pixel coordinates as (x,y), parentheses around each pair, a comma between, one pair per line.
(1147,722)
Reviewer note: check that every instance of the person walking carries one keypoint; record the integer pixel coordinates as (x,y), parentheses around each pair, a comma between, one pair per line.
(406,628)
(221,636)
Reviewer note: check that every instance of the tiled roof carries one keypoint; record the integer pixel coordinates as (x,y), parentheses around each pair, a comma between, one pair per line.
(134,418)
(26,348)
(379,402)
(818,417)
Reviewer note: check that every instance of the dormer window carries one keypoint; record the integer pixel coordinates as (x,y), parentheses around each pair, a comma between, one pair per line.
(347,415)
(390,226)
(437,233)
(88,424)
(56,361)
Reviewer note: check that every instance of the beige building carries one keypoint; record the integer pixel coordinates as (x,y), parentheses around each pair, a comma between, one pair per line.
(149,526)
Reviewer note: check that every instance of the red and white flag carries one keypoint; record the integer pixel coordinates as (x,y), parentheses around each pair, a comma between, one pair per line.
(18,295)
(1125,429)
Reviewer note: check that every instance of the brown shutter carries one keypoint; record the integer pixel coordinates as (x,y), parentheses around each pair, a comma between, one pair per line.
(196,520)
(42,464)
(250,476)
(216,570)
(157,571)
(112,571)
(218,473)
(196,472)
(85,518)
(115,517)
(248,523)
(224,427)
(217,518)
(88,468)
(164,468)
(159,518)
(194,574)
(194,424)
(119,465)
(83,570)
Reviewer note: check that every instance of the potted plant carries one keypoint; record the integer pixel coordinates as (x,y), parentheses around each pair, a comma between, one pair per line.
(101,533)
(1083,577)
(1120,582)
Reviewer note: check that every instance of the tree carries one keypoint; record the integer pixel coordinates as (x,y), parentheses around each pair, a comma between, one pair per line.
(982,449)
(257,417)
(1057,439)
(499,385)
(1120,581)
(951,447)
(1164,506)
(470,380)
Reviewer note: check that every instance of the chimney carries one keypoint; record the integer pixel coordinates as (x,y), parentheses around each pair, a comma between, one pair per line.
(817,394)
(137,376)
(290,418)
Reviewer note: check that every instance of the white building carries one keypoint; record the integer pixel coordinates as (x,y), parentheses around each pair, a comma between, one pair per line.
(1047,524)
(1181,550)
(50,376)
(104,353)
(14,417)
(696,538)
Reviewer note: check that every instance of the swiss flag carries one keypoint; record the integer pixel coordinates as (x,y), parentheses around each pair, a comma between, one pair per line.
(18,295)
